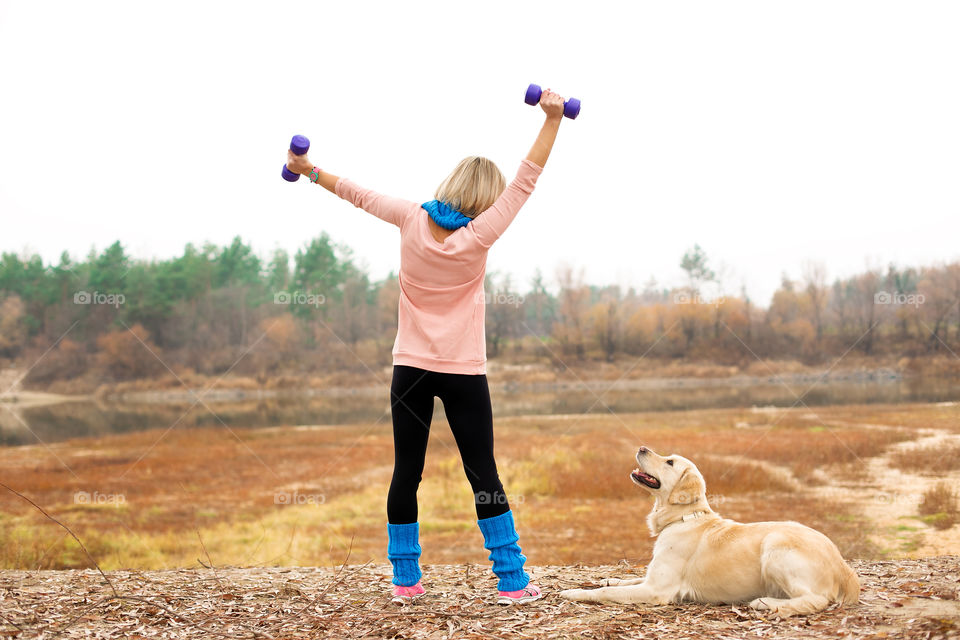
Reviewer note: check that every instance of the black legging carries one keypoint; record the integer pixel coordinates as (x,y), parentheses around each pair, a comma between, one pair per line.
(466,401)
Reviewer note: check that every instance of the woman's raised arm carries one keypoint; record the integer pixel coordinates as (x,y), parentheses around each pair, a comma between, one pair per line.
(393,210)
(490,225)
(552,105)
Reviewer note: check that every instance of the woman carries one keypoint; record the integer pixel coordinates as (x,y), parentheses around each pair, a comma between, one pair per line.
(440,350)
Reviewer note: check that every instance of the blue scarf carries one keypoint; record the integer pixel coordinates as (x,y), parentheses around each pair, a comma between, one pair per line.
(445,215)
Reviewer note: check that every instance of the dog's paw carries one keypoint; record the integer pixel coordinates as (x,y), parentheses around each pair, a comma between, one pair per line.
(573,594)
(760,605)
(610,582)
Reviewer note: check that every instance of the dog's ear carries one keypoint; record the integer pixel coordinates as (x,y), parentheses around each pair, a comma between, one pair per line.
(687,490)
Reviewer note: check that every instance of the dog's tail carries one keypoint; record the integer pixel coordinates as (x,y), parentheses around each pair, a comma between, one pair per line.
(850,587)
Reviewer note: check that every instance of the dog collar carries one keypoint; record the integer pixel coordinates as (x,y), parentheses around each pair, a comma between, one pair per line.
(691,516)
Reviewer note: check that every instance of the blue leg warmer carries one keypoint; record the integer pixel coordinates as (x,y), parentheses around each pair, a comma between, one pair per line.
(500,537)
(403,550)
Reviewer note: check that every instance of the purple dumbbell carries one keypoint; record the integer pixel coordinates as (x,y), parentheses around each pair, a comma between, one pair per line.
(299,145)
(571,108)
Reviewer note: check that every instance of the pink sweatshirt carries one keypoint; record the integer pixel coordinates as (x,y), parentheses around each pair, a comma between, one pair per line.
(442,300)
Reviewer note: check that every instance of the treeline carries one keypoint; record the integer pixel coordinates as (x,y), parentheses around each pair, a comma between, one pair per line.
(217,310)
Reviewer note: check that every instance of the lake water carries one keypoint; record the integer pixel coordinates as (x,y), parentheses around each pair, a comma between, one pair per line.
(57,422)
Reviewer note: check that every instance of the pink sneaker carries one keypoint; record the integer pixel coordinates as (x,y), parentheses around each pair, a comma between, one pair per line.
(527,594)
(406,595)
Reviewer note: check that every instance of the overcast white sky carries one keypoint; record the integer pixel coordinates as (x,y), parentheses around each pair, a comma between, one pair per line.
(770,133)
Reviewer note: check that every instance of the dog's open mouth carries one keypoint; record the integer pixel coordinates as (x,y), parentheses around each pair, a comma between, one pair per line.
(645,479)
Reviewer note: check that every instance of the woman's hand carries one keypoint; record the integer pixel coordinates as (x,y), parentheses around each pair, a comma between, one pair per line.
(552,104)
(299,164)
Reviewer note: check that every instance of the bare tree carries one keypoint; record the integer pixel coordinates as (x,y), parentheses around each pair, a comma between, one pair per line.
(573,300)
(815,286)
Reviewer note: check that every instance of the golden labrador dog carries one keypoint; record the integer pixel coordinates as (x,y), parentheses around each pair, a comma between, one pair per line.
(783,567)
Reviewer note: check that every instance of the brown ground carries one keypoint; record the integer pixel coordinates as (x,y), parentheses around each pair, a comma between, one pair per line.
(904,599)
(833,470)
(858,473)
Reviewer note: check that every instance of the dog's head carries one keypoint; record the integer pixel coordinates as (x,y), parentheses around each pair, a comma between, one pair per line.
(675,483)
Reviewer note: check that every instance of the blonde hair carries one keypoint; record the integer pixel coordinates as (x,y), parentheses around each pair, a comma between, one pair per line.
(472,186)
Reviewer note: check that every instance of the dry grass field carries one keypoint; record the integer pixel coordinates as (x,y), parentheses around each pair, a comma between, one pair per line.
(301,496)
